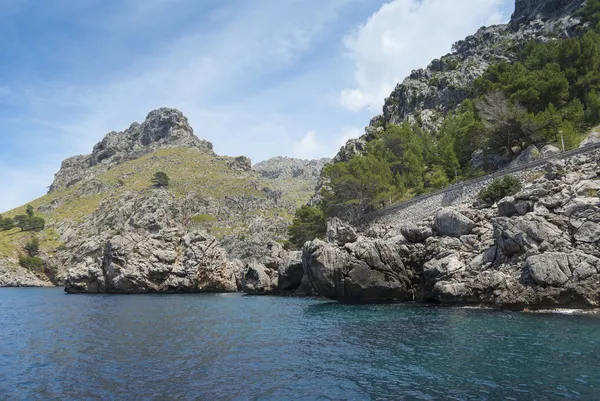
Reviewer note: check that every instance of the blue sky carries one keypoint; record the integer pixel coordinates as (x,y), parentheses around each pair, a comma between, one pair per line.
(255,77)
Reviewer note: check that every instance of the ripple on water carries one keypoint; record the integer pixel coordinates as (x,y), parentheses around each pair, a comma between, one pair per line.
(237,347)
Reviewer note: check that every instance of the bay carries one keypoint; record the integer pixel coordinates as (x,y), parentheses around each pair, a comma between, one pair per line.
(236,347)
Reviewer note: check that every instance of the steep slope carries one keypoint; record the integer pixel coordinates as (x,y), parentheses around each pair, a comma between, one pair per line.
(428,94)
(107,195)
(292,178)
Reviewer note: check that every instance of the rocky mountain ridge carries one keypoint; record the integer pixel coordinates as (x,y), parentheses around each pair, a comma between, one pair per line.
(107,197)
(428,94)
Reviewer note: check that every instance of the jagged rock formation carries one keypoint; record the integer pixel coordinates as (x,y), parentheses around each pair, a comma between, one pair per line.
(184,237)
(428,94)
(12,275)
(292,178)
(277,272)
(537,249)
(163,128)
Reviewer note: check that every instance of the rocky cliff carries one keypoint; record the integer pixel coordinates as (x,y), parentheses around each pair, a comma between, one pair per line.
(428,94)
(118,233)
(539,248)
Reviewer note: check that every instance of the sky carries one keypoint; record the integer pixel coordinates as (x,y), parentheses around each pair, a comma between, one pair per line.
(260,78)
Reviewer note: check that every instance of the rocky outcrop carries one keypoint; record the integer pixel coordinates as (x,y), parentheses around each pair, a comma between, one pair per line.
(13,275)
(527,156)
(162,128)
(278,272)
(592,138)
(428,94)
(529,10)
(537,249)
(168,261)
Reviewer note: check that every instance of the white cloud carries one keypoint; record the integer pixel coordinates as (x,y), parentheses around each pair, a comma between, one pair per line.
(308,147)
(408,34)
(349,133)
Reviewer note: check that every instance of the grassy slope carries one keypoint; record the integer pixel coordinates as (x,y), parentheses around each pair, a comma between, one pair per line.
(189,170)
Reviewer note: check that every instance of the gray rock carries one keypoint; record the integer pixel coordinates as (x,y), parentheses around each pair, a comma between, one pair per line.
(550,269)
(592,138)
(371,272)
(452,223)
(519,234)
(510,207)
(588,188)
(444,266)
(415,233)
(291,271)
(588,232)
(549,150)
(13,275)
(258,280)
(527,156)
(340,232)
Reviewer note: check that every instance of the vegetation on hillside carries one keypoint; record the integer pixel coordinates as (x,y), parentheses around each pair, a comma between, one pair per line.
(26,222)
(500,188)
(160,179)
(549,94)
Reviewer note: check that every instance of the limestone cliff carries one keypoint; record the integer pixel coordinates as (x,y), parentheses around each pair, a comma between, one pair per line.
(537,249)
(187,236)
(428,94)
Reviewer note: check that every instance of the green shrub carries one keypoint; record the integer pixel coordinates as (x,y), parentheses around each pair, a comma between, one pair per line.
(32,263)
(160,179)
(32,246)
(30,223)
(7,223)
(500,188)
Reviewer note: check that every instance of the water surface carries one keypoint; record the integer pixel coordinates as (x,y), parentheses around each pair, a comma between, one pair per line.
(235,347)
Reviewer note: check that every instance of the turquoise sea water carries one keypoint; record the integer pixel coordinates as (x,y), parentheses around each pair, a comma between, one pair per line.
(213,347)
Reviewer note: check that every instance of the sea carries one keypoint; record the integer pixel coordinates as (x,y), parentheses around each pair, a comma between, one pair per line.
(55,346)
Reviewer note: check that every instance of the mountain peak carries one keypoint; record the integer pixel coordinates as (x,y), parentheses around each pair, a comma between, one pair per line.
(162,128)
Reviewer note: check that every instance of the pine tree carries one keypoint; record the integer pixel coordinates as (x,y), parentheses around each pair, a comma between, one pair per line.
(160,179)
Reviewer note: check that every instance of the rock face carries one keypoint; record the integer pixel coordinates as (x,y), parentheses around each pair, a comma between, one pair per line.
(162,128)
(167,261)
(537,249)
(13,275)
(527,156)
(528,10)
(428,94)
(277,272)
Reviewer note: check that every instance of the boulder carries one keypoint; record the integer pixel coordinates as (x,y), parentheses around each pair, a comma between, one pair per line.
(371,271)
(549,150)
(587,188)
(444,266)
(449,222)
(339,232)
(588,232)
(509,206)
(415,233)
(519,234)
(549,269)
(527,156)
(259,280)
(290,271)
